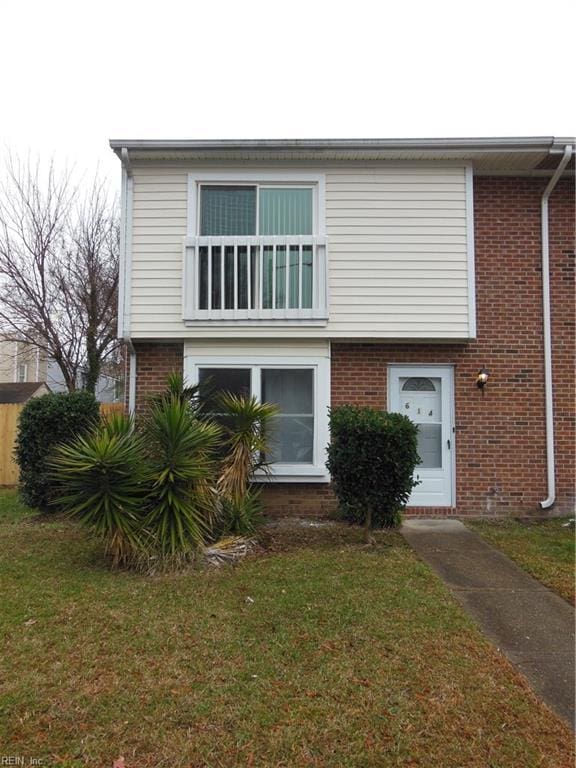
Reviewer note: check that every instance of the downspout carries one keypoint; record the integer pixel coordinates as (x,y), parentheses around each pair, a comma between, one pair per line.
(549,399)
(125,275)
(132,379)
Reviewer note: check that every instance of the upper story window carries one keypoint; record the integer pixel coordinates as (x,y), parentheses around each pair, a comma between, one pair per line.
(255,210)
(256,250)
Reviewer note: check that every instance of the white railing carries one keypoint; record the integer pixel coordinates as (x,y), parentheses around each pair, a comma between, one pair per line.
(255,278)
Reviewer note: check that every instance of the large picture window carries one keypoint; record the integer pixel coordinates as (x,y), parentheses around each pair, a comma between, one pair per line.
(299,433)
(291,390)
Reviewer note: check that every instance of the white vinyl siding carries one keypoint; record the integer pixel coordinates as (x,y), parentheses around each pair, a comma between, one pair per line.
(397,252)
(159,224)
(257,348)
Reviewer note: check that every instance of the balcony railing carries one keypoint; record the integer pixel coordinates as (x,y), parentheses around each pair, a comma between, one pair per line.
(255,278)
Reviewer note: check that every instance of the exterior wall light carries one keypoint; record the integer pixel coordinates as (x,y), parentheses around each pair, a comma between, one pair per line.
(482,378)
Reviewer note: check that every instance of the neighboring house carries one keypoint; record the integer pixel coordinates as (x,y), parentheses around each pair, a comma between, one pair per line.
(22,362)
(109,389)
(16,393)
(388,273)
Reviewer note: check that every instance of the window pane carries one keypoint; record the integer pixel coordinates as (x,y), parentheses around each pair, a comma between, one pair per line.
(229,277)
(227,210)
(286,211)
(203,276)
(418,384)
(294,277)
(281,277)
(292,390)
(214,381)
(307,276)
(430,445)
(242,277)
(292,439)
(217,278)
(267,271)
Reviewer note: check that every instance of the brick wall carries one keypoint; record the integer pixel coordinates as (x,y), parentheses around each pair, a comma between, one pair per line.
(154,362)
(500,439)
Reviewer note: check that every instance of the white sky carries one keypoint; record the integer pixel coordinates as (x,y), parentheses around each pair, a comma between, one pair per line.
(75,74)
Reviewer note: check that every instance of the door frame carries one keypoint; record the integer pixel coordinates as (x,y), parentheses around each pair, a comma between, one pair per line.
(395,371)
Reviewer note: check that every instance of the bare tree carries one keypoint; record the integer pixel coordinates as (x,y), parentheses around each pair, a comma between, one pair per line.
(59,268)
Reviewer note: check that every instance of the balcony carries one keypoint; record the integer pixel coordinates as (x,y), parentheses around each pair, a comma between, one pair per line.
(278,279)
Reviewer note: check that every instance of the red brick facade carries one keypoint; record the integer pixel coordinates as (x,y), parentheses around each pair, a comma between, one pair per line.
(500,437)
(500,434)
(154,362)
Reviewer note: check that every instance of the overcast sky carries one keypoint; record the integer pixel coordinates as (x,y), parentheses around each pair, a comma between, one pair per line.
(75,74)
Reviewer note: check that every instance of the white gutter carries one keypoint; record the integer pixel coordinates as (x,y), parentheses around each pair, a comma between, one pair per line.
(549,399)
(503,144)
(125,272)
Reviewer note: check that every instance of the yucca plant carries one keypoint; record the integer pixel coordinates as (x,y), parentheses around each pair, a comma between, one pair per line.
(246,437)
(181,454)
(101,481)
(241,515)
(177,388)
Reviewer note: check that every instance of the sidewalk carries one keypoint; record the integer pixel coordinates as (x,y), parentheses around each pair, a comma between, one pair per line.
(530,624)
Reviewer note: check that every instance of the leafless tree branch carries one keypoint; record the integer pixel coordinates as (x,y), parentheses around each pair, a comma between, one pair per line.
(59,268)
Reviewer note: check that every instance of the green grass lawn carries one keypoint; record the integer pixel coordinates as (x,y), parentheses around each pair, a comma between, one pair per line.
(343,656)
(543,548)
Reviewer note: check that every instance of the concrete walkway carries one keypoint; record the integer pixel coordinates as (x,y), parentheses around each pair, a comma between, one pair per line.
(533,626)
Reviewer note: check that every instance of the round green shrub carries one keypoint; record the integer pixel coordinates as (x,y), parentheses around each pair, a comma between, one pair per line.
(45,422)
(371,459)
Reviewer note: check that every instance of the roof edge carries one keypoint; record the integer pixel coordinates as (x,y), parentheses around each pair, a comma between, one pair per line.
(489,144)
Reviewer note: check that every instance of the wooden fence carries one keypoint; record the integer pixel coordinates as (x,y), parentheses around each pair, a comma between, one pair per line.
(9,415)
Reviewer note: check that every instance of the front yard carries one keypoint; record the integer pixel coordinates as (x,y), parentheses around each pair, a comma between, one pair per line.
(544,548)
(313,652)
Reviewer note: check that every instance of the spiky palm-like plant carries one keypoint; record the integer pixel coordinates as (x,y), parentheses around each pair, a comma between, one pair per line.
(246,437)
(181,455)
(101,481)
(241,515)
(177,388)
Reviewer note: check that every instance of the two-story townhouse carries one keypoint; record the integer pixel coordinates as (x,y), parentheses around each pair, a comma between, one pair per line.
(431,277)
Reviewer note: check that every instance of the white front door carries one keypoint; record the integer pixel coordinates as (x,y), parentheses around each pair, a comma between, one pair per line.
(425,395)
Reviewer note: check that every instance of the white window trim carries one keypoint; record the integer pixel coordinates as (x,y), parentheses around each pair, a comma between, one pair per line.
(259,179)
(296,473)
